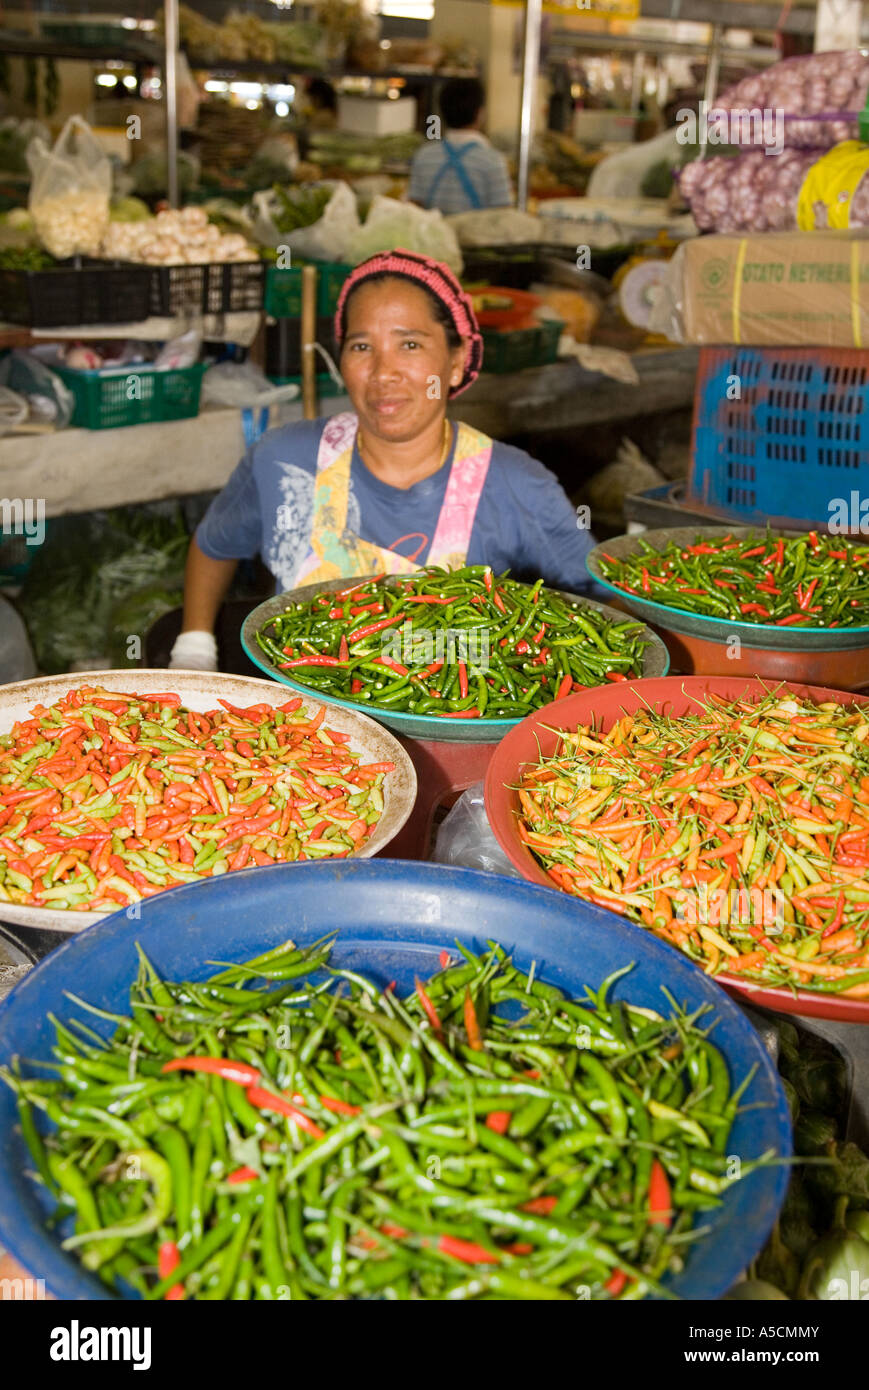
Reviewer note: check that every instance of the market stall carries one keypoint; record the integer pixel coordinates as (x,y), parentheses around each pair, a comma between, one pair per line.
(589,1022)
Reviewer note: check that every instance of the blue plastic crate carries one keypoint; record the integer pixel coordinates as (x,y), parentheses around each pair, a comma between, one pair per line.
(779,433)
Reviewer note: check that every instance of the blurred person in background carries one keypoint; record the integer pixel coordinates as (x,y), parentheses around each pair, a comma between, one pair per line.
(461,171)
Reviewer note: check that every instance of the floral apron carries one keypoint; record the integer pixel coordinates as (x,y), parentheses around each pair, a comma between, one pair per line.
(336,553)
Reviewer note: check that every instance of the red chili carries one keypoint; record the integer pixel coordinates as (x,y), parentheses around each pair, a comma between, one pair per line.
(243,1174)
(660,1213)
(239,1072)
(616,676)
(807,595)
(262,1099)
(390,665)
(472,1026)
(463,679)
(467,1251)
(616,1282)
(312,661)
(540,1206)
(428,1006)
(499,1121)
(338,1107)
(361,632)
(836,920)
(168,1260)
(564,686)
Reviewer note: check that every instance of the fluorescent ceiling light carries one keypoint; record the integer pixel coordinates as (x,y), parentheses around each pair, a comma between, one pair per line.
(407,9)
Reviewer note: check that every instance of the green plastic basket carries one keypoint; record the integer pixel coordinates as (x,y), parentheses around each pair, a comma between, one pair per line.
(522,347)
(140,396)
(283,294)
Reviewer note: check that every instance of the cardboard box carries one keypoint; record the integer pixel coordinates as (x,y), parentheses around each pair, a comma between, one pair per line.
(775,289)
(376,115)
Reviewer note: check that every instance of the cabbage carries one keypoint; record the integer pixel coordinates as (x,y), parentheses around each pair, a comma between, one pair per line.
(129,210)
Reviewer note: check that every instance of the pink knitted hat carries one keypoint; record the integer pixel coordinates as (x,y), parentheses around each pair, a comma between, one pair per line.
(441,282)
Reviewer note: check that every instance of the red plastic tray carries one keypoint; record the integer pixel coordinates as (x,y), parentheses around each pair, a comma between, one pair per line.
(537,736)
(519,313)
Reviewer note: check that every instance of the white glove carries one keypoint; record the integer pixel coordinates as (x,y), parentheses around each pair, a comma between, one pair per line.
(194,651)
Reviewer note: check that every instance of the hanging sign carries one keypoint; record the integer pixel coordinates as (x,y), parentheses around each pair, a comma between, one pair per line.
(600,9)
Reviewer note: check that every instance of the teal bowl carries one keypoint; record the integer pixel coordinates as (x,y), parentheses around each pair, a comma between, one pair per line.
(766,636)
(429,727)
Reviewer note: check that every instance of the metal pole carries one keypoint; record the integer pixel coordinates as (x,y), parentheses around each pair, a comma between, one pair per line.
(170,83)
(533,10)
(637,76)
(713,66)
(710,87)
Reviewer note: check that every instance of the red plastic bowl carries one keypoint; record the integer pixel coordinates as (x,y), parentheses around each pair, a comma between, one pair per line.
(537,736)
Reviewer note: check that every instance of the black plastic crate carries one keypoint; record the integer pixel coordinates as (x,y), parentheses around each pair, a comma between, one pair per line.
(75,292)
(284,345)
(230,287)
(511,267)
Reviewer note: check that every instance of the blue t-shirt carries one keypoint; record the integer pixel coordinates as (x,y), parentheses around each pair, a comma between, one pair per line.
(524,521)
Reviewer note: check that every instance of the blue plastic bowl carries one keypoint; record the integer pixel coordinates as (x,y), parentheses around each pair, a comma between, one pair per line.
(393,919)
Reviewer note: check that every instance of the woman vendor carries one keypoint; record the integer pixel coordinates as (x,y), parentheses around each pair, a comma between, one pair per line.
(392,485)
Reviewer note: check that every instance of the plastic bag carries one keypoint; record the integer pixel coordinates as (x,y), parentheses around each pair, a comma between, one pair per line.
(465,837)
(797,189)
(812,101)
(242,384)
(390,224)
(327,239)
(180,352)
(621,175)
(69,191)
(495,227)
(50,401)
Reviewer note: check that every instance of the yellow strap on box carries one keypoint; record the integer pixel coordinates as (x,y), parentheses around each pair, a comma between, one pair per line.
(737,288)
(832,181)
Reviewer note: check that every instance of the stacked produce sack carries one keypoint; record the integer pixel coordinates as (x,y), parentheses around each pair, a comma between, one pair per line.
(812,173)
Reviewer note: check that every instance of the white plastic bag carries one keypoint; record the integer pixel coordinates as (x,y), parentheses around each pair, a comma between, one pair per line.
(325,240)
(69,191)
(242,384)
(390,224)
(465,837)
(621,175)
(49,399)
(495,227)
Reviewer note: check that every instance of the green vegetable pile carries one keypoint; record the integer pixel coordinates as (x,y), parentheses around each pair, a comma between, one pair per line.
(819,1248)
(293,1139)
(450,643)
(299,207)
(812,581)
(100,579)
(25,258)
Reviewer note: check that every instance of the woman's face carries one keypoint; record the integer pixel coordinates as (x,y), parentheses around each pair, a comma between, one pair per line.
(396,362)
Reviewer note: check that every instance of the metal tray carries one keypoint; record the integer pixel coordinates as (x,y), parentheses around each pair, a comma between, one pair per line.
(656,662)
(200,691)
(764,635)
